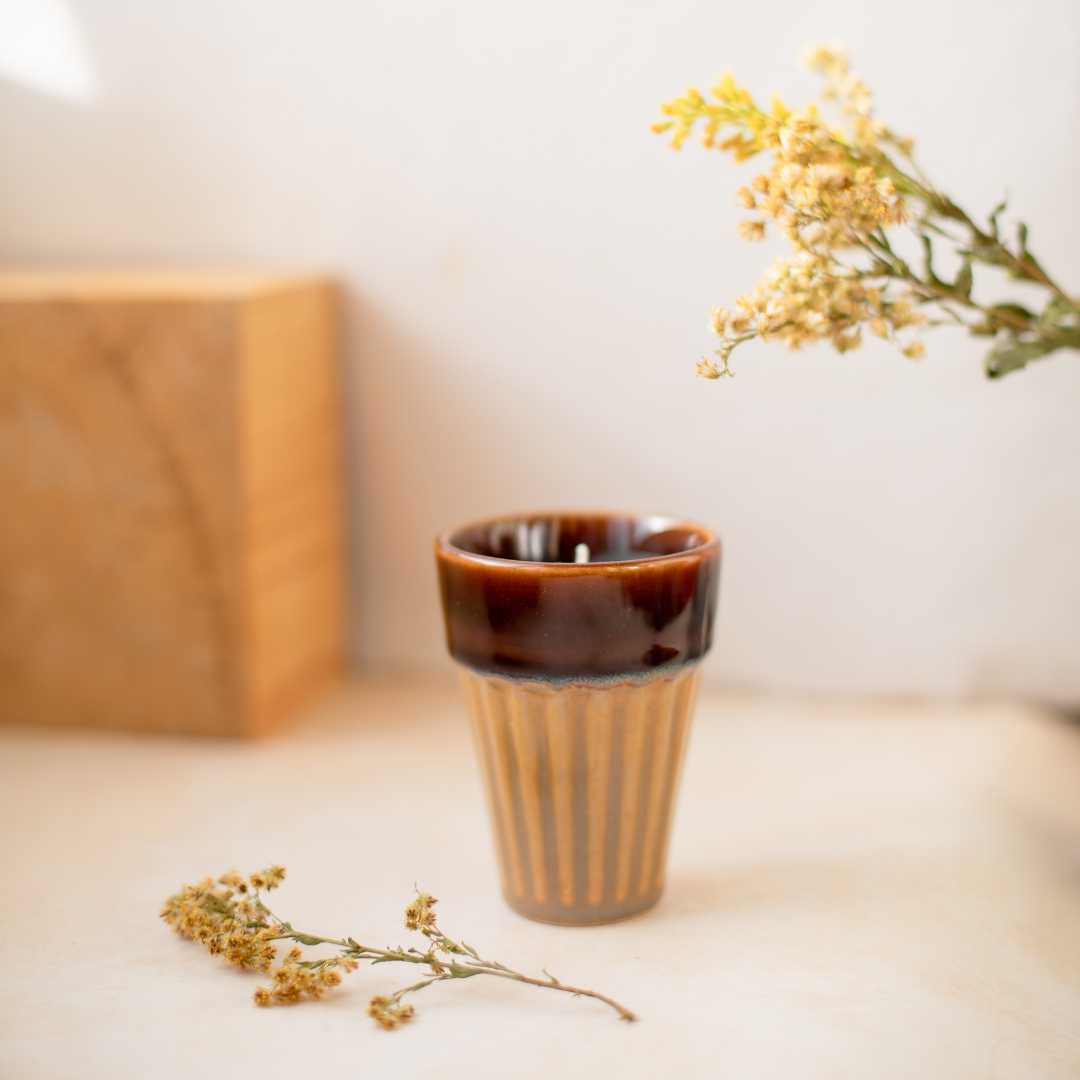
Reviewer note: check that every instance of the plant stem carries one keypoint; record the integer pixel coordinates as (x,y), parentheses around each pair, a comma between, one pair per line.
(1024,265)
(448,969)
(399,994)
(577,991)
(879,249)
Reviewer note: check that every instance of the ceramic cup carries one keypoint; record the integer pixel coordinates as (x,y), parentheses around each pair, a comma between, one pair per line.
(580,637)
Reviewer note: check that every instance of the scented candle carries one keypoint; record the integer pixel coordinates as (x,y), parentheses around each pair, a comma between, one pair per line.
(580,638)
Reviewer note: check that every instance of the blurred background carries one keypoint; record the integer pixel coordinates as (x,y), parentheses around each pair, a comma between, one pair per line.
(527,273)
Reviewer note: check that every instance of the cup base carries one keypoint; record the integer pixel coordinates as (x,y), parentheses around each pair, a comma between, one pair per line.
(581,916)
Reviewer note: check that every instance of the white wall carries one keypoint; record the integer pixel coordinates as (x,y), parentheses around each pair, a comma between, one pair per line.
(529,273)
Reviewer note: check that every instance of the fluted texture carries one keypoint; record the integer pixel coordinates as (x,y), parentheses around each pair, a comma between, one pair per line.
(581,784)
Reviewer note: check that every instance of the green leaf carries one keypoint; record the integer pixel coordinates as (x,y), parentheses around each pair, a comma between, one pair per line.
(1009,358)
(1022,238)
(996,213)
(1013,309)
(928,257)
(1057,308)
(964,279)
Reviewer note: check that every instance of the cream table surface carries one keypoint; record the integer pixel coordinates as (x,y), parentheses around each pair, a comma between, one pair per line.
(855,891)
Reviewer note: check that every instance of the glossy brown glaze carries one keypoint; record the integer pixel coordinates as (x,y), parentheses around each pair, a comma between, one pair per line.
(517,604)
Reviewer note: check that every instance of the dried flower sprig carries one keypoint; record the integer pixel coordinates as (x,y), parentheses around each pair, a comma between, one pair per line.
(836,191)
(230,917)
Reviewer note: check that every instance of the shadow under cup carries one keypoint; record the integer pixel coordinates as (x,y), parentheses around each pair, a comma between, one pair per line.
(580,637)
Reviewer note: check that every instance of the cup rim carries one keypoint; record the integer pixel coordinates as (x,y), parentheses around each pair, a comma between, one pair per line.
(445,546)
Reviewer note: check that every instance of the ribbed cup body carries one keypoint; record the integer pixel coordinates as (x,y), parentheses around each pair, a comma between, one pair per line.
(581,781)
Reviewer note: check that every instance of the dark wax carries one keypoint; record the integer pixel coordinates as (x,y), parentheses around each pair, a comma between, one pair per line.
(520,599)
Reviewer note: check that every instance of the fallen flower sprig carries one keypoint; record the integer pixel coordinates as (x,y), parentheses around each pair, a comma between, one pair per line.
(230,917)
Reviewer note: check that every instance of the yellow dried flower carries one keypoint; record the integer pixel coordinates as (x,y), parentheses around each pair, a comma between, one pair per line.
(752,230)
(208,913)
(389,1013)
(420,914)
(746,198)
(710,369)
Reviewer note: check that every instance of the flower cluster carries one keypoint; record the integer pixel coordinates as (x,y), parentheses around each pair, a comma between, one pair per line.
(854,98)
(818,198)
(829,190)
(296,978)
(227,917)
(389,1012)
(420,914)
(810,297)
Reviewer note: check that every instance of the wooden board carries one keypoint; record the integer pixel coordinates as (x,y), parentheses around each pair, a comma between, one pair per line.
(171,538)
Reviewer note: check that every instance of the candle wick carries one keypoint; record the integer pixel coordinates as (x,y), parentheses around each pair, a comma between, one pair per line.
(581,553)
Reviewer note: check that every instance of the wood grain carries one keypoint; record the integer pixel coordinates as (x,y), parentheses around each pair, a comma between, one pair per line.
(172,551)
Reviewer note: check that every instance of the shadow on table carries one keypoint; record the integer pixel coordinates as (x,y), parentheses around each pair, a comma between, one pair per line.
(696,891)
